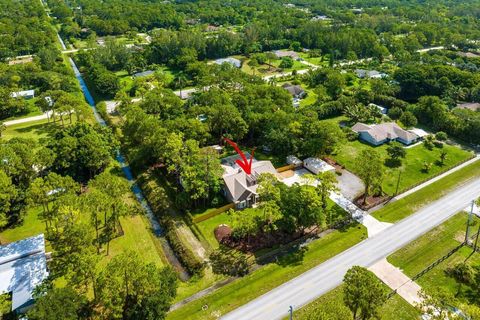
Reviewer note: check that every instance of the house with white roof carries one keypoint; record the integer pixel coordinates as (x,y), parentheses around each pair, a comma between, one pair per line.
(27,94)
(232,61)
(23,266)
(379,134)
(370,74)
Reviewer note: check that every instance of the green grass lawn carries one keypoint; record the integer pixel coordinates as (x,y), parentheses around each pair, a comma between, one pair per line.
(402,208)
(207,228)
(33,130)
(270,276)
(422,252)
(395,308)
(137,236)
(310,99)
(411,166)
(315,60)
(30,226)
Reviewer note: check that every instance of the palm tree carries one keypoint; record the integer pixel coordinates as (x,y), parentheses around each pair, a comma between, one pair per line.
(180,81)
(443,157)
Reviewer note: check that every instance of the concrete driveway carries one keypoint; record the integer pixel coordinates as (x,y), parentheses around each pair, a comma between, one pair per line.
(298,177)
(350,185)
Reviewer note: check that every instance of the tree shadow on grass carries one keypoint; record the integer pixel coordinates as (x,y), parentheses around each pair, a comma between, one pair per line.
(293,258)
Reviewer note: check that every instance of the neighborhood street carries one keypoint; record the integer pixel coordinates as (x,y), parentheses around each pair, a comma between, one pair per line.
(321,279)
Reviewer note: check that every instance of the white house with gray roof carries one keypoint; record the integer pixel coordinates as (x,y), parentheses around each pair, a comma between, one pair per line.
(379,134)
(241,188)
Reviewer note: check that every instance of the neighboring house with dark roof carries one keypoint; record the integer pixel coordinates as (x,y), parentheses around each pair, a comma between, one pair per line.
(241,188)
(295,90)
(381,133)
(232,61)
(23,266)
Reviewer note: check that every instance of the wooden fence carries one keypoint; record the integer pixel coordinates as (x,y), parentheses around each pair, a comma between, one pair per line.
(213,213)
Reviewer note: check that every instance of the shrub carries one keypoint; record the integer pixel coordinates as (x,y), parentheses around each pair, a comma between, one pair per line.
(350,134)
(438,144)
(189,260)
(441,136)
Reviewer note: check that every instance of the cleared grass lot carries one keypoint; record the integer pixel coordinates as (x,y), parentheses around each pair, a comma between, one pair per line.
(395,308)
(422,252)
(29,130)
(270,276)
(412,165)
(404,207)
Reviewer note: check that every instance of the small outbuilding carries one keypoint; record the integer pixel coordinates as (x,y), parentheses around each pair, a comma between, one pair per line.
(316,165)
(294,161)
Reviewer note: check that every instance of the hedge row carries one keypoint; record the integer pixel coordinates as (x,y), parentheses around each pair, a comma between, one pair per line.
(159,203)
(189,260)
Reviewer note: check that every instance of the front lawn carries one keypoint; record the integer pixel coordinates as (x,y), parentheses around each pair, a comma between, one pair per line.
(422,252)
(395,308)
(412,165)
(404,207)
(29,130)
(270,276)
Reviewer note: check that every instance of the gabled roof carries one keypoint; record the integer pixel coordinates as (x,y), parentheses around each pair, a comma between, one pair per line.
(286,53)
(241,186)
(294,90)
(233,61)
(384,131)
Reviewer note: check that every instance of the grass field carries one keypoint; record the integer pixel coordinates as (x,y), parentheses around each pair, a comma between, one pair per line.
(419,254)
(137,236)
(33,130)
(395,308)
(270,276)
(402,208)
(412,165)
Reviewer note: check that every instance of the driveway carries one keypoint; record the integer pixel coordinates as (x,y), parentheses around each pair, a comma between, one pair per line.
(328,275)
(350,185)
(298,178)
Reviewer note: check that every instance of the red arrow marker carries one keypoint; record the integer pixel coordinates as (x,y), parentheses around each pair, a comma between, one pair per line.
(244,163)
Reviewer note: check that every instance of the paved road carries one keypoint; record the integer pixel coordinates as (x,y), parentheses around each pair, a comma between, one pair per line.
(321,279)
(28,119)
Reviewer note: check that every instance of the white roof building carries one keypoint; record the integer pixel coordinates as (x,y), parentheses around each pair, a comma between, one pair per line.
(293,160)
(23,266)
(316,165)
(27,94)
(383,110)
(232,61)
